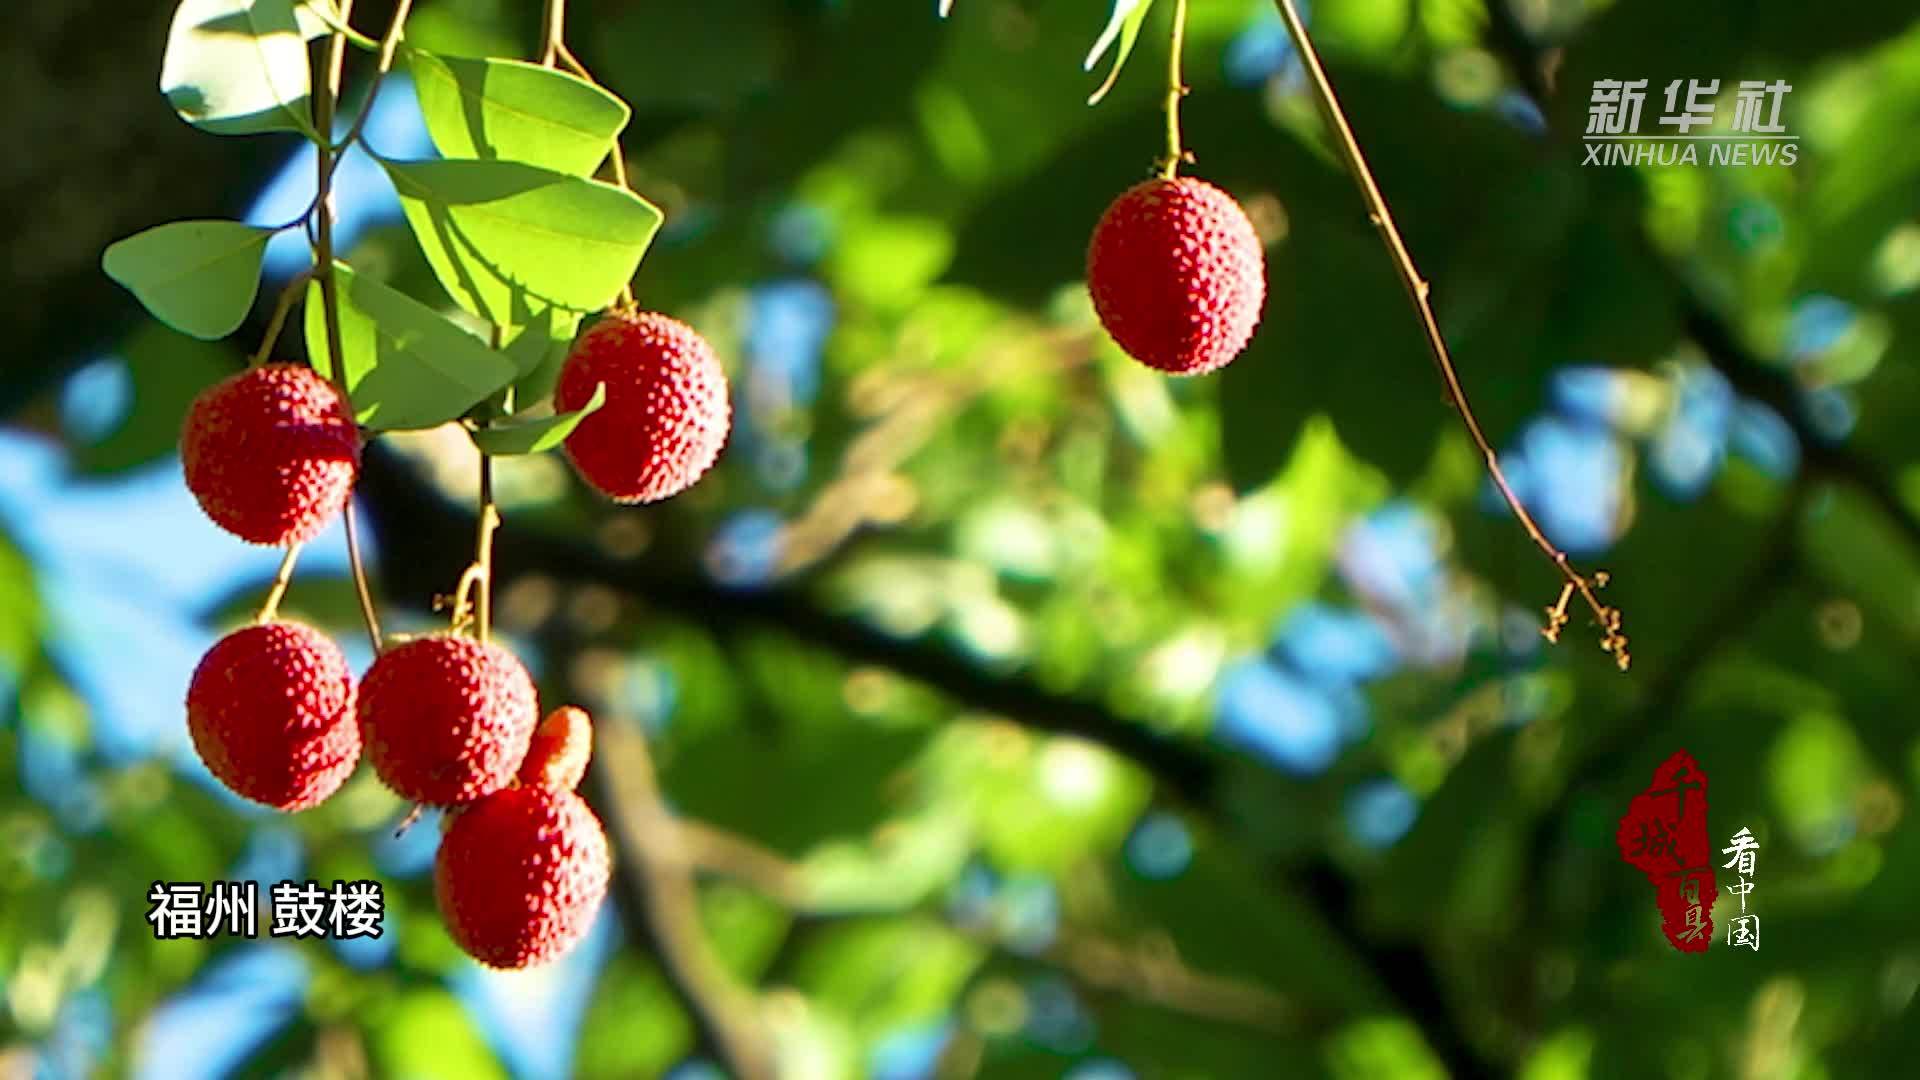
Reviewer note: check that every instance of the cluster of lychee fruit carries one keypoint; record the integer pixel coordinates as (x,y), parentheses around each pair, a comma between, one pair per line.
(447,720)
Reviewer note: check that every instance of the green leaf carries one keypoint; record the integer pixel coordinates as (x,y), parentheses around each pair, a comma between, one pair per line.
(408,366)
(506,238)
(530,348)
(1125,24)
(514,111)
(199,277)
(238,67)
(539,434)
(538,352)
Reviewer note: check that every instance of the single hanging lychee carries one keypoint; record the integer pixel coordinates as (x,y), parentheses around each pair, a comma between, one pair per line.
(270,710)
(446,719)
(1177,275)
(557,758)
(520,875)
(270,453)
(666,413)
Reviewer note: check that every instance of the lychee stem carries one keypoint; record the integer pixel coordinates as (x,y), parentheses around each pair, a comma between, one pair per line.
(473,596)
(281,579)
(280,309)
(555,52)
(324,96)
(1176,89)
(554,20)
(483,546)
(1612,640)
(408,822)
(389,45)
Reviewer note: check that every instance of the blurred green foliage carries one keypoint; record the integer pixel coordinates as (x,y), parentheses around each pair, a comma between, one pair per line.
(988,485)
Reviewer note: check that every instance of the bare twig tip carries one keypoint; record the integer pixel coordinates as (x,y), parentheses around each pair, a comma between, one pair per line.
(408,822)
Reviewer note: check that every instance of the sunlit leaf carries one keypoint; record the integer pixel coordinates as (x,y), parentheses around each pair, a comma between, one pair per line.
(198,277)
(506,238)
(1124,25)
(318,17)
(539,434)
(515,111)
(407,365)
(538,351)
(238,67)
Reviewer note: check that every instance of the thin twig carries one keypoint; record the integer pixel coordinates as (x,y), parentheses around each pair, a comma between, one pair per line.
(463,597)
(408,822)
(388,46)
(1176,89)
(557,50)
(480,575)
(324,97)
(1613,640)
(365,595)
(573,64)
(270,607)
(279,320)
(554,24)
(483,546)
(337,22)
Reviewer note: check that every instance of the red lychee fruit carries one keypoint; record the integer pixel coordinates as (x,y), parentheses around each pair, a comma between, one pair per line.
(1177,275)
(520,875)
(270,453)
(270,709)
(666,413)
(446,719)
(562,743)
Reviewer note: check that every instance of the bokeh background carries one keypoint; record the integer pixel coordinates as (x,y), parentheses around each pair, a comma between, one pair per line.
(998,707)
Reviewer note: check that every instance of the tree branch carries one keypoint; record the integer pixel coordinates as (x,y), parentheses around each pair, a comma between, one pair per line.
(1143,971)
(657,883)
(1613,639)
(417,526)
(421,534)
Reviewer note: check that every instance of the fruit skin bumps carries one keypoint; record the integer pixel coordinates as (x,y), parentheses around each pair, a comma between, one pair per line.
(521,873)
(666,414)
(270,710)
(446,719)
(270,453)
(1177,275)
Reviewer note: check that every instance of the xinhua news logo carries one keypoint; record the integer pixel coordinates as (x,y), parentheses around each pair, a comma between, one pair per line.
(1754,133)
